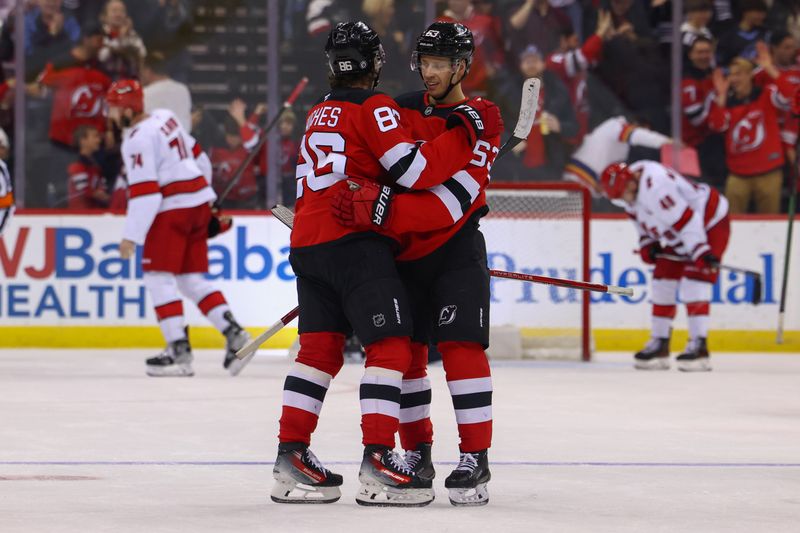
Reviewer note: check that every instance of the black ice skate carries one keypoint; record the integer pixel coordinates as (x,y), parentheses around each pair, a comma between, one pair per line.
(695,358)
(175,360)
(235,339)
(654,356)
(467,483)
(301,478)
(419,461)
(387,481)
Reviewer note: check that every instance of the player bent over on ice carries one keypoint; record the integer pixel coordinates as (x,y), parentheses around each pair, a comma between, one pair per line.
(169,212)
(674,216)
(444,268)
(347,279)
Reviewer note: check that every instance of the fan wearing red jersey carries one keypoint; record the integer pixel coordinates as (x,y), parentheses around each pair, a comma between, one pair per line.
(347,279)
(169,213)
(443,265)
(674,216)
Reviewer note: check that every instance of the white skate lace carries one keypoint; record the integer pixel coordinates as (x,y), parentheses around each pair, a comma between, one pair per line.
(311,458)
(412,458)
(399,464)
(467,462)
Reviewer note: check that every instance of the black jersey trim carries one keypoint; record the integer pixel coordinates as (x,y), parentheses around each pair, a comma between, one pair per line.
(350,94)
(415,399)
(473,400)
(304,387)
(375,391)
(461,194)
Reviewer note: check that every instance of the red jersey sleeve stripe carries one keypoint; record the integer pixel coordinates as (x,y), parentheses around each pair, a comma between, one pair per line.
(184,187)
(143,189)
(685,218)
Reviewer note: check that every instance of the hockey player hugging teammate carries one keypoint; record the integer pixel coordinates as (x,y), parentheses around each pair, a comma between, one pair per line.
(675,217)
(169,213)
(347,279)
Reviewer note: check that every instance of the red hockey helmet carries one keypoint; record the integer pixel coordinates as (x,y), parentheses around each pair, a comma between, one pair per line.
(614,179)
(126,93)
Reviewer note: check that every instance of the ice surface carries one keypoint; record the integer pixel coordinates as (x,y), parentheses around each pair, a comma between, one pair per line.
(88,443)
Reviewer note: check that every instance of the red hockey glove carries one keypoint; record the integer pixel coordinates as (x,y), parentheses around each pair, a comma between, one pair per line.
(649,252)
(493,125)
(466,116)
(707,261)
(219,223)
(362,205)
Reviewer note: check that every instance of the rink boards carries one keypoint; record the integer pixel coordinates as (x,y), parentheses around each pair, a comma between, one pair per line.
(62,282)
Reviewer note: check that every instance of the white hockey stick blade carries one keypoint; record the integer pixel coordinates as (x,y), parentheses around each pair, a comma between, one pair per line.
(527,108)
(284,214)
(622,291)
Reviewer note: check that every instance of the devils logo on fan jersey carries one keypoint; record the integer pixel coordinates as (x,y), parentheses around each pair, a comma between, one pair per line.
(748,133)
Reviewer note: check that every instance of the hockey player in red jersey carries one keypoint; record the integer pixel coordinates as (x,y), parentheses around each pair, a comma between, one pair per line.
(674,216)
(347,279)
(169,213)
(443,265)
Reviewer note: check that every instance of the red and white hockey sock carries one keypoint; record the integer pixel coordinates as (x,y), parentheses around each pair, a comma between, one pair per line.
(664,299)
(415,401)
(387,360)
(470,382)
(697,295)
(163,290)
(208,299)
(317,363)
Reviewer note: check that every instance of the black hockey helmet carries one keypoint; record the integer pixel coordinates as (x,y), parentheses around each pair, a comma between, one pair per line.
(444,39)
(353,48)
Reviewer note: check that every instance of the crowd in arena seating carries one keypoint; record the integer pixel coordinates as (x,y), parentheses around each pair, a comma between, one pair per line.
(598,59)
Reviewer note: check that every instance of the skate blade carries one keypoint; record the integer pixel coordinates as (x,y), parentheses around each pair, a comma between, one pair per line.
(472,497)
(698,365)
(291,492)
(375,495)
(178,371)
(657,363)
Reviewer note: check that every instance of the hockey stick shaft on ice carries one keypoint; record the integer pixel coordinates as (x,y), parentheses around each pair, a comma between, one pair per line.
(257,148)
(787,251)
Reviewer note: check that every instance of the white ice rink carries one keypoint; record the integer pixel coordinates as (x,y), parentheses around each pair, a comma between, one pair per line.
(88,443)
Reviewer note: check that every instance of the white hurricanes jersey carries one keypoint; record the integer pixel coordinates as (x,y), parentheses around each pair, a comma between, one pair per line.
(674,210)
(162,172)
(608,143)
(6,197)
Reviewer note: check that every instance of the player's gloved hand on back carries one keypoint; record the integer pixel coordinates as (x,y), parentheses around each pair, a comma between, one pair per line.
(493,125)
(362,205)
(468,117)
(707,261)
(649,252)
(218,223)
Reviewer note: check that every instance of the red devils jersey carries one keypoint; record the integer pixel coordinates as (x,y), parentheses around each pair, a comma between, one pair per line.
(356,133)
(225,163)
(752,137)
(428,219)
(696,96)
(787,122)
(86,183)
(78,100)
(571,67)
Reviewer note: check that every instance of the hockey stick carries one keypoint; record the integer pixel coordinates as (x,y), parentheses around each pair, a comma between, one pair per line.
(756,277)
(251,347)
(527,115)
(257,148)
(560,282)
(787,252)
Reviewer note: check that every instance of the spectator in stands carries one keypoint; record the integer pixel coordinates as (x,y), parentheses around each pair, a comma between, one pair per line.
(226,160)
(630,18)
(572,61)
(698,16)
(87,186)
(697,94)
(49,30)
(740,41)
(205,129)
(290,148)
(123,49)
(783,47)
(380,16)
(748,115)
(784,15)
(161,91)
(544,152)
(166,25)
(79,90)
(535,22)
(488,56)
